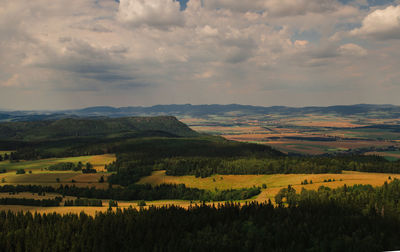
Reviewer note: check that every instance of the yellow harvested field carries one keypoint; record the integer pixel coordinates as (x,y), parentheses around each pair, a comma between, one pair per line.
(99,161)
(93,210)
(223,182)
(274,182)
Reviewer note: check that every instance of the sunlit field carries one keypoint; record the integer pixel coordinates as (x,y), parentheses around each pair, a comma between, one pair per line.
(273,182)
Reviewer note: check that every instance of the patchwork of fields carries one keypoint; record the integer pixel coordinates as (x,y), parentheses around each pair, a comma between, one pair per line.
(310,134)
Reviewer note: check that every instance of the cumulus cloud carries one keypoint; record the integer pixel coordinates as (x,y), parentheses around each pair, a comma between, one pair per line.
(381,24)
(352,50)
(208,31)
(137,52)
(155,13)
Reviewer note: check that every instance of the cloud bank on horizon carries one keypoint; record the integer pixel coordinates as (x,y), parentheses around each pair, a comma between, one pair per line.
(69,54)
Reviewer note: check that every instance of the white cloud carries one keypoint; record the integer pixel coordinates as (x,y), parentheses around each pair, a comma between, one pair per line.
(381,24)
(156,13)
(209,31)
(145,52)
(352,50)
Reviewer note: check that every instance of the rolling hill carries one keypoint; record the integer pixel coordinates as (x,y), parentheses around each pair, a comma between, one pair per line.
(95,127)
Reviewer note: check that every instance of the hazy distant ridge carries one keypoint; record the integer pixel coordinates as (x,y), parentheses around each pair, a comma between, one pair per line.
(383,111)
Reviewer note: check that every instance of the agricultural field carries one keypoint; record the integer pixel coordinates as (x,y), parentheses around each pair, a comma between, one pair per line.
(90,210)
(308,134)
(37,166)
(37,173)
(390,155)
(273,182)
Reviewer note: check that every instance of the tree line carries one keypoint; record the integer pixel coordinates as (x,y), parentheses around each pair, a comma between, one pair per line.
(66,166)
(139,192)
(204,167)
(12,157)
(31,202)
(376,201)
(312,226)
(84,202)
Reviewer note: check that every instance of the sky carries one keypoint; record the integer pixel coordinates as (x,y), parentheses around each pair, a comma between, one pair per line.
(73,54)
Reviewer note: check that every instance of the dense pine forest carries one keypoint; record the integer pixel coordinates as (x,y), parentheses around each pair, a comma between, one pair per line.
(357,218)
(204,167)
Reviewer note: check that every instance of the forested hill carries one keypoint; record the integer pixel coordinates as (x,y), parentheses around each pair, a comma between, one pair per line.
(99,127)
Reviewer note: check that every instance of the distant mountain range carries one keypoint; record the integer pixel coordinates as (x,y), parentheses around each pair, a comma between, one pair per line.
(368,110)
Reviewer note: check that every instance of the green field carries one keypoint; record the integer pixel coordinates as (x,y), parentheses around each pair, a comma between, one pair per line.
(37,174)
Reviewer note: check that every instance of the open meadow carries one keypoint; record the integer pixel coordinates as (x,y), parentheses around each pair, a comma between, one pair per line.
(273,182)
